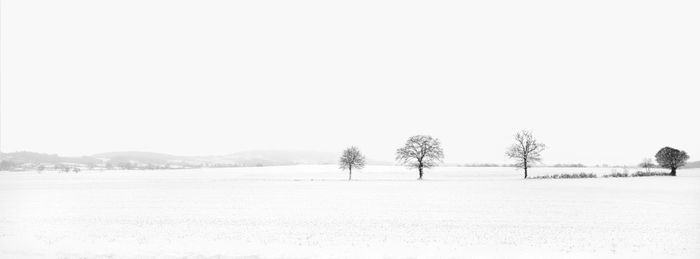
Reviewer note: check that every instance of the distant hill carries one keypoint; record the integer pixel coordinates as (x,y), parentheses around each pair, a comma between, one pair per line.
(281,157)
(141,157)
(247,158)
(23,157)
(274,157)
(695,164)
(159,160)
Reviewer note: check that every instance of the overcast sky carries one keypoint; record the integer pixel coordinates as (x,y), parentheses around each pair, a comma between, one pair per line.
(597,81)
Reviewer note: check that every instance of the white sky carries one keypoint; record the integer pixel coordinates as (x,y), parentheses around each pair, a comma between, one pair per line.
(597,81)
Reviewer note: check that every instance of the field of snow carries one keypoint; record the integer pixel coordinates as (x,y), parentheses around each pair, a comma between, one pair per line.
(313,212)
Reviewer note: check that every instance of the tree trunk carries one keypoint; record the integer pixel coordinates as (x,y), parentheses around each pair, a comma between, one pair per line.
(350,175)
(525,166)
(673,171)
(420,172)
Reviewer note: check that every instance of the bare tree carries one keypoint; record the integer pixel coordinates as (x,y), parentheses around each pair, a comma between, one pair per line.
(352,158)
(7,165)
(671,158)
(526,151)
(647,164)
(420,151)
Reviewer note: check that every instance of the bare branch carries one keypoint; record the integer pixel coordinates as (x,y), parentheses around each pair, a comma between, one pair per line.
(526,151)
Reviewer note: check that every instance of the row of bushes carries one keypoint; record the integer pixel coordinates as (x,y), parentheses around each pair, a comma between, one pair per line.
(565,176)
(637,174)
(591,175)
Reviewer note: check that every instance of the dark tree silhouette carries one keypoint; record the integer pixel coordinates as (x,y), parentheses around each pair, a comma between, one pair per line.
(526,151)
(420,151)
(671,158)
(352,158)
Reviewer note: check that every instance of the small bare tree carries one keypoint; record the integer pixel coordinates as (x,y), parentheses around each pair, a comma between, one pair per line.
(526,151)
(420,152)
(352,158)
(647,164)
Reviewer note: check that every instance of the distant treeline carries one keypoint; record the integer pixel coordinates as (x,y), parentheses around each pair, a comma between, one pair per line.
(485,165)
(10,165)
(579,165)
(130,160)
(28,161)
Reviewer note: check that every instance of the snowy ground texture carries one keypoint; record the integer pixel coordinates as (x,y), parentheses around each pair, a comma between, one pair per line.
(312,212)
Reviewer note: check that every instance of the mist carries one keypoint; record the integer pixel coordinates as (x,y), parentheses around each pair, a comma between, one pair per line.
(598,82)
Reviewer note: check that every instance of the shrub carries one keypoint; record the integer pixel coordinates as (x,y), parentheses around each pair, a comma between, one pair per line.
(638,174)
(642,173)
(566,176)
(616,174)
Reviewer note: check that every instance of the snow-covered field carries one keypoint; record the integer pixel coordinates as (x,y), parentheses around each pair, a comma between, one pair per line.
(312,212)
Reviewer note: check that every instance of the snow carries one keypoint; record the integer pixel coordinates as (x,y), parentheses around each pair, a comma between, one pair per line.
(314,212)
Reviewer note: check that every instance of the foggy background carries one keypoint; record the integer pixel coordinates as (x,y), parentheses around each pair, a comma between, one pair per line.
(597,81)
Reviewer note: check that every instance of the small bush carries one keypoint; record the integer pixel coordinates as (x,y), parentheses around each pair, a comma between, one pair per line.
(566,176)
(616,174)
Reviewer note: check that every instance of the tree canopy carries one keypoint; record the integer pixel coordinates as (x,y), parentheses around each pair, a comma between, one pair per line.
(420,151)
(671,158)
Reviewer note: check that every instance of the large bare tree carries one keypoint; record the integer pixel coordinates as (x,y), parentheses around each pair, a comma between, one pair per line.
(352,158)
(526,151)
(420,151)
(671,158)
